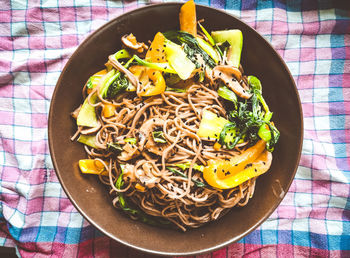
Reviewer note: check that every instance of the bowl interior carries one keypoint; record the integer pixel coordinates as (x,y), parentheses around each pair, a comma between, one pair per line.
(91,198)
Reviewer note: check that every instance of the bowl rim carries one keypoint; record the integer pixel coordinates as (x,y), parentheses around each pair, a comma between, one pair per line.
(146,250)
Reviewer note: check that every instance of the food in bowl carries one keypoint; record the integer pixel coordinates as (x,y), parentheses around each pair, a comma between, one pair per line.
(176,129)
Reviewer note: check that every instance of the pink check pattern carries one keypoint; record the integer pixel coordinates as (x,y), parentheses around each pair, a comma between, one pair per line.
(38,37)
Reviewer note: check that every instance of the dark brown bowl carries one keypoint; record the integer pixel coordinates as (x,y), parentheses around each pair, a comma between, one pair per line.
(91,198)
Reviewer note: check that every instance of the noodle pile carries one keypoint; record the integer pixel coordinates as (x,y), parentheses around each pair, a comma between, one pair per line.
(162,193)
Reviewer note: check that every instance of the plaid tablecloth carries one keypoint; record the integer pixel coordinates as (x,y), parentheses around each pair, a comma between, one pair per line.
(38,37)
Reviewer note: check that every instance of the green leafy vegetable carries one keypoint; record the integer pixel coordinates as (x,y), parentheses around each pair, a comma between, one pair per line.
(115,82)
(165,67)
(227,94)
(130,140)
(92,80)
(114,147)
(197,183)
(158,136)
(129,209)
(191,47)
(228,135)
(187,165)
(89,140)
(119,84)
(252,119)
(175,89)
(209,37)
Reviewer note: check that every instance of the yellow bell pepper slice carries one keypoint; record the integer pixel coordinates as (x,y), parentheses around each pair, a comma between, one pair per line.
(156,53)
(95,79)
(158,85)
(233,178)
(91,166)
(108,110)
(240,161)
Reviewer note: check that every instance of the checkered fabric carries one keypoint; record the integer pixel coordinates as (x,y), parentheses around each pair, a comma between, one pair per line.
(38,37)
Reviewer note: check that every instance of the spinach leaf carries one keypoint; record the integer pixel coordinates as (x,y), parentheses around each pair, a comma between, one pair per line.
(117,86)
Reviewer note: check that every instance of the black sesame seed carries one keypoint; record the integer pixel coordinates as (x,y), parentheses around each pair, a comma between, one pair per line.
(264,162)
(154,73)
(227,173)
(255,170)
(248,165)
(220,74)
(158,49)
(236,165)
(150,48)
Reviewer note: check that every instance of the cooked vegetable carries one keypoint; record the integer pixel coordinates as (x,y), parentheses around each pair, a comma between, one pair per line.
(89,140)
(120,83)
(87,113)
(158,85)
(91,166)
(176,171)
(227,94)
(206,33)
(191,47)
(223,177)
(235,39)
(267,131)
(129,209)
(178,60)
(156,52)
(211,125)
(228,135)
(114,148)
(187,165)
(187,17)
(94,80)
(231,77)
(158,136)
(165,67)
(130,140)
(208,49)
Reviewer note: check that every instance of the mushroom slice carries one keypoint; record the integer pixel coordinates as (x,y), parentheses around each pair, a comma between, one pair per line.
(129,173)
(75,113)
(146,138)
(231,76)
(129,152)
(130,42)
